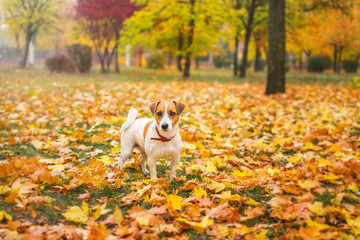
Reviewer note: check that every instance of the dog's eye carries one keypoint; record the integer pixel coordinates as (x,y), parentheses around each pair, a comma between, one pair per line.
(172,114)
(159,114)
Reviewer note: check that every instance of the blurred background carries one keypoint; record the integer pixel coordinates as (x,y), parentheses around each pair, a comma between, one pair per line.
(108,35)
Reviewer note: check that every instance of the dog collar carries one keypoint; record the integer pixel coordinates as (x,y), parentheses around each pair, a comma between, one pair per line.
(162,138)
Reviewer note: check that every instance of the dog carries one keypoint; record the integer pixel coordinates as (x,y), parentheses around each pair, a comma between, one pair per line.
(154,138)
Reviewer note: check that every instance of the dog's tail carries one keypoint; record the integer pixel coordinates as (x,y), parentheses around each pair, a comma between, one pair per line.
(130,119)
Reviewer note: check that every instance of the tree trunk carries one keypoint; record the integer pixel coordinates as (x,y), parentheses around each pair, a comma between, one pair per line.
(170,59)
(116,54)
(339,61)
(257,66)
(300,63)
(107,61)
(140,57)
(335,59)
(236,56)
(357,62)
(180,48)
(276,63)
(103,70)
(190,38)
(102,61)
(197,62)
(236,52)
(23,62)
(247,38)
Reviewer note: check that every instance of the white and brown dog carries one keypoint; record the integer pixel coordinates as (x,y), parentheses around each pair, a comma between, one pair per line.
(154,139)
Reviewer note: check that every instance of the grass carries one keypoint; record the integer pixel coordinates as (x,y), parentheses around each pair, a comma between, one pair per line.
(41,76)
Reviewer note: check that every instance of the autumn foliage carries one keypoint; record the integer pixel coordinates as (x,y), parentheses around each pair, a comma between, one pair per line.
(101,21)
(252,166)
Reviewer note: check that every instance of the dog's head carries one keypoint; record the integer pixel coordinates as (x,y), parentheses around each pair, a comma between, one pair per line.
(167,115)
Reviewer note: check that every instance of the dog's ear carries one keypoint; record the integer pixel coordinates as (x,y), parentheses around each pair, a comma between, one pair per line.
(179,107)
(153,107)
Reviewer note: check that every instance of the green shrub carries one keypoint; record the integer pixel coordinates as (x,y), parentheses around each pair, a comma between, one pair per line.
(81,55)
(318,63)
(350,66)
(60,63)
(156,60)
(218,61)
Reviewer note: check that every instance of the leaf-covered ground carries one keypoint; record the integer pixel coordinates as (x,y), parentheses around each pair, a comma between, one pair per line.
(252,166)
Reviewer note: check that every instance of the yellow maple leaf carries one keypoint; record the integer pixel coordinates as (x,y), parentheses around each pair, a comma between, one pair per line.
(230,185)
(200,146)
(317,208)
(115,150)
(330,177)
(354,222)
(252,202)
(261,235)
(318,226)
(295,158)
(345,236)
(100,210)
(353,187)
(5,215)
(4,190)
(199,226)
(210,167)
(242,174)
(175,201)
(356,231)
(105,159)
(77,214)
(199,192)
(335,148)
(310,146)
(206,222)
(224,230)
(323,163)
(228,196)
(118,215)
(217,187)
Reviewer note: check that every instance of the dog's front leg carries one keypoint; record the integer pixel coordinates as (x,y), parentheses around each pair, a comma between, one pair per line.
(143,164)
(175,160)
(152,167)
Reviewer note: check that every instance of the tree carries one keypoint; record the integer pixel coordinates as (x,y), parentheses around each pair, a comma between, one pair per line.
(101,21)
(184,28)
(276,60)
(340,31)
(235,14)
(251,7)
(306,24)
(260,34)
(30,17)
(304,35)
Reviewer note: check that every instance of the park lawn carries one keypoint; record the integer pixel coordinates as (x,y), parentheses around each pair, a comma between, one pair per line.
(252,166)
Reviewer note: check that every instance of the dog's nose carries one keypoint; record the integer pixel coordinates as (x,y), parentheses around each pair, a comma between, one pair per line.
(164,126)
